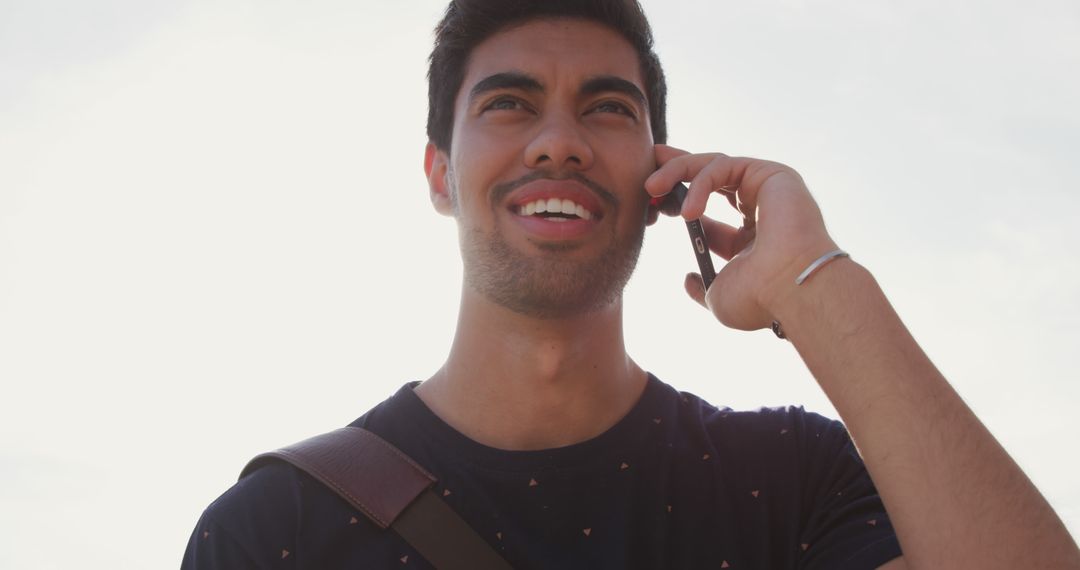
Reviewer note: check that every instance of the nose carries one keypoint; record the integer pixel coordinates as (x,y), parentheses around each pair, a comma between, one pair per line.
(559,144)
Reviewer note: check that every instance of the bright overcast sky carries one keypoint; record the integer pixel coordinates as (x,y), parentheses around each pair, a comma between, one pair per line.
(215,235)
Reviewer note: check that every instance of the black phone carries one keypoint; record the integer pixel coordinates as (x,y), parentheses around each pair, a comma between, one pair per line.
(671,204)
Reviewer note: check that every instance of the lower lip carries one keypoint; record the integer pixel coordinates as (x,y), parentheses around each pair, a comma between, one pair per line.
(547,229)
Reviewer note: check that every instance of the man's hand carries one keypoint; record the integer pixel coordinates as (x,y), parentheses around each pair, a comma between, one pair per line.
(954,496)
(782,230)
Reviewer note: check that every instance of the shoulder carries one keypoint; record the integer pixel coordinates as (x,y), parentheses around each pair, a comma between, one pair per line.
(787,446)
(767,427)
(262,509)
(250,524)
(805,467)
(259,520)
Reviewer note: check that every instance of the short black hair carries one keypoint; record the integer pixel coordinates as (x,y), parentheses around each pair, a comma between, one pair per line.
(467,23)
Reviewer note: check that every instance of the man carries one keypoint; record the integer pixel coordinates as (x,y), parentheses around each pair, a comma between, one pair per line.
(546,122)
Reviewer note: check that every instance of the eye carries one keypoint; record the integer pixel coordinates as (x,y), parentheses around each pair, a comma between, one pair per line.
(505,104)
(614,107)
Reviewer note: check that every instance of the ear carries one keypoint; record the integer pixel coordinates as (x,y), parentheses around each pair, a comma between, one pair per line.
(436,165)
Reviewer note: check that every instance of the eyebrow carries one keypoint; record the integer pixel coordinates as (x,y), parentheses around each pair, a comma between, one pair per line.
(526,82)
(612,83)
(505,80)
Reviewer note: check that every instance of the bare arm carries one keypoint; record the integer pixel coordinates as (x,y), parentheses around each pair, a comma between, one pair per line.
(955,497)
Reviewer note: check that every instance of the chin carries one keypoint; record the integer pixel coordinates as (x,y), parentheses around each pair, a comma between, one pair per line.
(551,286)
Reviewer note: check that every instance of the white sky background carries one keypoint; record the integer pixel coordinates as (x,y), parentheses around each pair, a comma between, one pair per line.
(215,235)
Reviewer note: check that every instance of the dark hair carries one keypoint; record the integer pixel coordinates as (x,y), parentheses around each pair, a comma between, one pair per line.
(467,23)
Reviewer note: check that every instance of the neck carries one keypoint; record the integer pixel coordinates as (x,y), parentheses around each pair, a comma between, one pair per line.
(519,383)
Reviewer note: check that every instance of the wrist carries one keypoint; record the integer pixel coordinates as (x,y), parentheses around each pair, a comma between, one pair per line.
(795,276)
(796,304)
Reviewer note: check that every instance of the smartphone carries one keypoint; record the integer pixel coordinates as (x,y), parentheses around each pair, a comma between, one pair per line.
(671,204)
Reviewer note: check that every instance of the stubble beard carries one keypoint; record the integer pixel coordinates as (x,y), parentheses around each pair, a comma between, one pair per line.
(547,285)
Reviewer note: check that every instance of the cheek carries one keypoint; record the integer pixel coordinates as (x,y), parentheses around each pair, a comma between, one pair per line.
(466,178)
(635,171)
(636,205)
(633,152)
(472,175)
(480,162)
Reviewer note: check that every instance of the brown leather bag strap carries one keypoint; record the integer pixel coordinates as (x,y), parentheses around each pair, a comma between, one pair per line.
(393,491)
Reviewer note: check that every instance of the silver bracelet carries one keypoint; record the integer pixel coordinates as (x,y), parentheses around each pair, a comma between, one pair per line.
(836,253)
(810,269)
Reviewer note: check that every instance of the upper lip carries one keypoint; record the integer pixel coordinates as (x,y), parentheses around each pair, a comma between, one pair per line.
(583,192)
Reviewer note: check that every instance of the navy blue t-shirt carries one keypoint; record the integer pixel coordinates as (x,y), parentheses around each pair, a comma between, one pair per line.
(677,483)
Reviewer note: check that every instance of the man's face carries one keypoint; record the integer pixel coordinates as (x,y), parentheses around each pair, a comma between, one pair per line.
(550,149)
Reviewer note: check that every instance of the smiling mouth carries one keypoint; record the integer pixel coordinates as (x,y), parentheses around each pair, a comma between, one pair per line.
(555,210)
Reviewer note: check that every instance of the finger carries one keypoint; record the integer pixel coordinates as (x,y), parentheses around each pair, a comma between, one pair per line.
(676,169)
(726,240)
(721,236)
(722,173)
(663,153)
(748,176)
(695,288)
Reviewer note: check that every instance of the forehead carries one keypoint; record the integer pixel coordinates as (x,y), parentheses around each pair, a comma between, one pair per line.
(555,51)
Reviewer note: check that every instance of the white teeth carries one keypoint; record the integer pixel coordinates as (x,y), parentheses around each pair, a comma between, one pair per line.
(555,205)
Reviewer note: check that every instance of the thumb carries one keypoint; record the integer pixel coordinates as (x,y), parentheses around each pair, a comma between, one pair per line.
(730,299)
(695,288)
